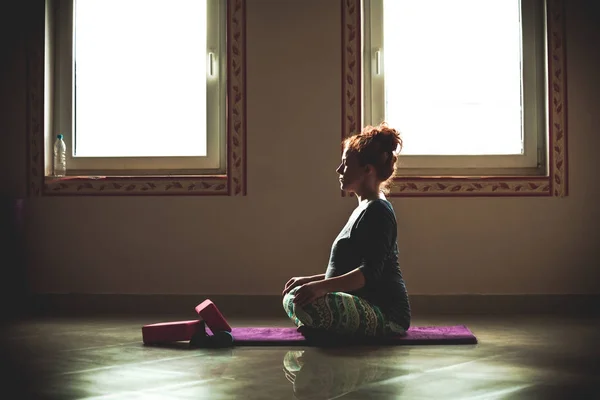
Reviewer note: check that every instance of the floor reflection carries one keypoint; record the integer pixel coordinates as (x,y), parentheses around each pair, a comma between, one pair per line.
(328,374)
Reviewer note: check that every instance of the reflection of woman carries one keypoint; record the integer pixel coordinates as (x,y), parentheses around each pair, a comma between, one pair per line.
(321,376)
(362,291)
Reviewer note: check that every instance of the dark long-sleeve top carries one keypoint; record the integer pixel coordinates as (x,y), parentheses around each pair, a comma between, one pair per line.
(368,241)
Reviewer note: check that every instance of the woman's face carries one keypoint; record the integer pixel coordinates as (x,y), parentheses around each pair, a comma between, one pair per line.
(351,174)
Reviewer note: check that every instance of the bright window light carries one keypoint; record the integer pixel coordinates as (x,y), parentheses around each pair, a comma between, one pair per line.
(140,78)
(453,75)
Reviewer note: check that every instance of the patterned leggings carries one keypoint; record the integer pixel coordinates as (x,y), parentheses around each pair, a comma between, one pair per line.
(341,313)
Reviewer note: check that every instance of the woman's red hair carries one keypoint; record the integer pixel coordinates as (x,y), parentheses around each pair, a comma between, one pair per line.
(378,146)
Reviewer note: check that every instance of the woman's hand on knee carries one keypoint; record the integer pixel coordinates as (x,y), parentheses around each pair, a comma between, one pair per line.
(294,282)
(309,292)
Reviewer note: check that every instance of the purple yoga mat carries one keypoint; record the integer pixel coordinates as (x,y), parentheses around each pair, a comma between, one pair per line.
(458,334)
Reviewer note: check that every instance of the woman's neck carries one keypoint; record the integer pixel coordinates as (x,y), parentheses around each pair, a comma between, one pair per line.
(369,195)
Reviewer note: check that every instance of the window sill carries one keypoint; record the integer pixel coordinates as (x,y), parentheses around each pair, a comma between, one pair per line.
(471,182)
(471,186)
(152,185)
(473,173)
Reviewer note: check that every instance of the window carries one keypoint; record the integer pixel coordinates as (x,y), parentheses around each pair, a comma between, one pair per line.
(149,95)
(477,89)
(145,95)
(461,79)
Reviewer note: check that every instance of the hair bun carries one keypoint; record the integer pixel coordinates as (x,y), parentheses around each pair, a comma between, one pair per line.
(389,139)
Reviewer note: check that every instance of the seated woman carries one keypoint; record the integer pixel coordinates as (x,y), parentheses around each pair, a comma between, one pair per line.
(362,292)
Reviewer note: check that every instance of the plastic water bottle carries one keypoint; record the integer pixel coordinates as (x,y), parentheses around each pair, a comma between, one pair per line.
(60,156)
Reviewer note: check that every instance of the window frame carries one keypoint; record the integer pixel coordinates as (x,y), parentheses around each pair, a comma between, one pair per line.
(64,105)
(550,180)
(230,180)
(533,88)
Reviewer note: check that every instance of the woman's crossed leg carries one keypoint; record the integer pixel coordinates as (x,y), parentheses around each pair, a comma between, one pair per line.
(342,314)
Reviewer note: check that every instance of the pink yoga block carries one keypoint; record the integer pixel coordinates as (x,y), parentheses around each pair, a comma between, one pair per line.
(215,321)
(165,332)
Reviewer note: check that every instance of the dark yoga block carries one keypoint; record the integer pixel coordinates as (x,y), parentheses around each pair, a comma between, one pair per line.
(165,332)
(219,339)
(215,321)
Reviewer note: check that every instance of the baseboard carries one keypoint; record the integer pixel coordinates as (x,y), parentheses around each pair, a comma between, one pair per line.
(560,304)
(257,306)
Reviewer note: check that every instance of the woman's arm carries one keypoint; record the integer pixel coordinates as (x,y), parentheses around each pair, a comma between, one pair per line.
(318,277)
(348,282)
(376,236)
(311,291)
(301,280)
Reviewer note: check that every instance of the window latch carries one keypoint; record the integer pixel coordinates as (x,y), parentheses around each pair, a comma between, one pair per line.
(211,64)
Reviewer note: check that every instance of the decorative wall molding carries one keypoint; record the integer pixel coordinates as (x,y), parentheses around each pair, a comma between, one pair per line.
(232,183)
(35,40)
(557,87)
(236,97)
(351,67)
(554,183)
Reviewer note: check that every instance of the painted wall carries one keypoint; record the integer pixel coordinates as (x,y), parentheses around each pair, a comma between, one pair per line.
(293,211)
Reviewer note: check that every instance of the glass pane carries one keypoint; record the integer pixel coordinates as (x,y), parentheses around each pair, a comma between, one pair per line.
(140,78)
(453,75)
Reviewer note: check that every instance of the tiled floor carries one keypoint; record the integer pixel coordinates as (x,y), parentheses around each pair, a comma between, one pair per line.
(103,358)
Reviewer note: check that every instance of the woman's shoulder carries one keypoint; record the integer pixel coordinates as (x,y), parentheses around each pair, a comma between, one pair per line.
(378,214)
(379,208)
(380,204)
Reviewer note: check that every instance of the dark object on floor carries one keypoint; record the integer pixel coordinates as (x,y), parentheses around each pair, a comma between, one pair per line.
(219,339)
